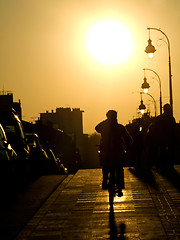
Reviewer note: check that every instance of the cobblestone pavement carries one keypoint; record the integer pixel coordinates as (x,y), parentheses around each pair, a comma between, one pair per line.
(79,209)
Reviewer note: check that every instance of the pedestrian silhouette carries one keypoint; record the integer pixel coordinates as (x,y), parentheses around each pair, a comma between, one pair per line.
(163,138)
(115,140)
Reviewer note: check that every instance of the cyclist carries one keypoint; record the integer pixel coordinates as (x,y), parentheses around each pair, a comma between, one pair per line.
(115,140)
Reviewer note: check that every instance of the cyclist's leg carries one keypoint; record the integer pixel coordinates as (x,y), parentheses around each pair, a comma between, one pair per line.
(105,171)
(112,178)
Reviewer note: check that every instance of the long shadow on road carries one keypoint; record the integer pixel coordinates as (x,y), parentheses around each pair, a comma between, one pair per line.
(172,175)
(146,176)
(115,232)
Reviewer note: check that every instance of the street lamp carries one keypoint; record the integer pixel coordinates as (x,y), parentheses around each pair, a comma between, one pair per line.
(143,86)
(150,50)
(142,107)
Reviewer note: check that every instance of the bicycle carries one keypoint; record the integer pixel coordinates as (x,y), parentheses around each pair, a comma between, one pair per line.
(114,174)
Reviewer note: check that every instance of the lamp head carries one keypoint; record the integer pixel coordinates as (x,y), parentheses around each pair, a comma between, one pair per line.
(142,107)
(145,86)
(150,49)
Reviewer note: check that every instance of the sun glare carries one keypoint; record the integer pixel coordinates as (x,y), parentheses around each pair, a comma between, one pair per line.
(109,42)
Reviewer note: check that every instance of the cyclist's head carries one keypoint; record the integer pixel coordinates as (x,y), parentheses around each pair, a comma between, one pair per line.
(112,115)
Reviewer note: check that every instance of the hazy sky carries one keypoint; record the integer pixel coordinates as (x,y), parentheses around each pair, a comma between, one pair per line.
(45,61)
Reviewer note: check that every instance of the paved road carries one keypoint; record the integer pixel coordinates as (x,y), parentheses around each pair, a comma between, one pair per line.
(79,209)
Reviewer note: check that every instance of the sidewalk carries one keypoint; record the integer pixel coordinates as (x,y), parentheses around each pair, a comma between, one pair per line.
(19,206)
(79,209)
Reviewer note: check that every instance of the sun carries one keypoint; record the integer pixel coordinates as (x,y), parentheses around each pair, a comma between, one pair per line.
(109,42)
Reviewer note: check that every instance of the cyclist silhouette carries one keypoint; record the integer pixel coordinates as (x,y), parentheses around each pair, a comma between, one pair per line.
(115,140)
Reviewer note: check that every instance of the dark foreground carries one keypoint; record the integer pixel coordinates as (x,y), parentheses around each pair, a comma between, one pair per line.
(78,209)
(19,204)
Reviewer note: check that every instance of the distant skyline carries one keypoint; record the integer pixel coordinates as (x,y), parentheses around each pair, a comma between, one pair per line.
(46,63)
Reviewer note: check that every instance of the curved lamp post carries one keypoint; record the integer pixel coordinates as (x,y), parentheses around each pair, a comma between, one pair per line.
(150,50)
(153,101)
(145,86)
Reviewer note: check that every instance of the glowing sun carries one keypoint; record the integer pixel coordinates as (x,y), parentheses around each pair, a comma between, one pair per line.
(109,42)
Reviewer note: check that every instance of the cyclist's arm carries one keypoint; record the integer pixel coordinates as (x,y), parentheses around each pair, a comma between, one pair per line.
(100,127)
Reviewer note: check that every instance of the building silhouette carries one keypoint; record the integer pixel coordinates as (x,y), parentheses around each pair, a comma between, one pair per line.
(62,128)
(68,120)
(7,103)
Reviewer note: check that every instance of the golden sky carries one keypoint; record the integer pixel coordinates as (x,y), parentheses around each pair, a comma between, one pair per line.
(45,60)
